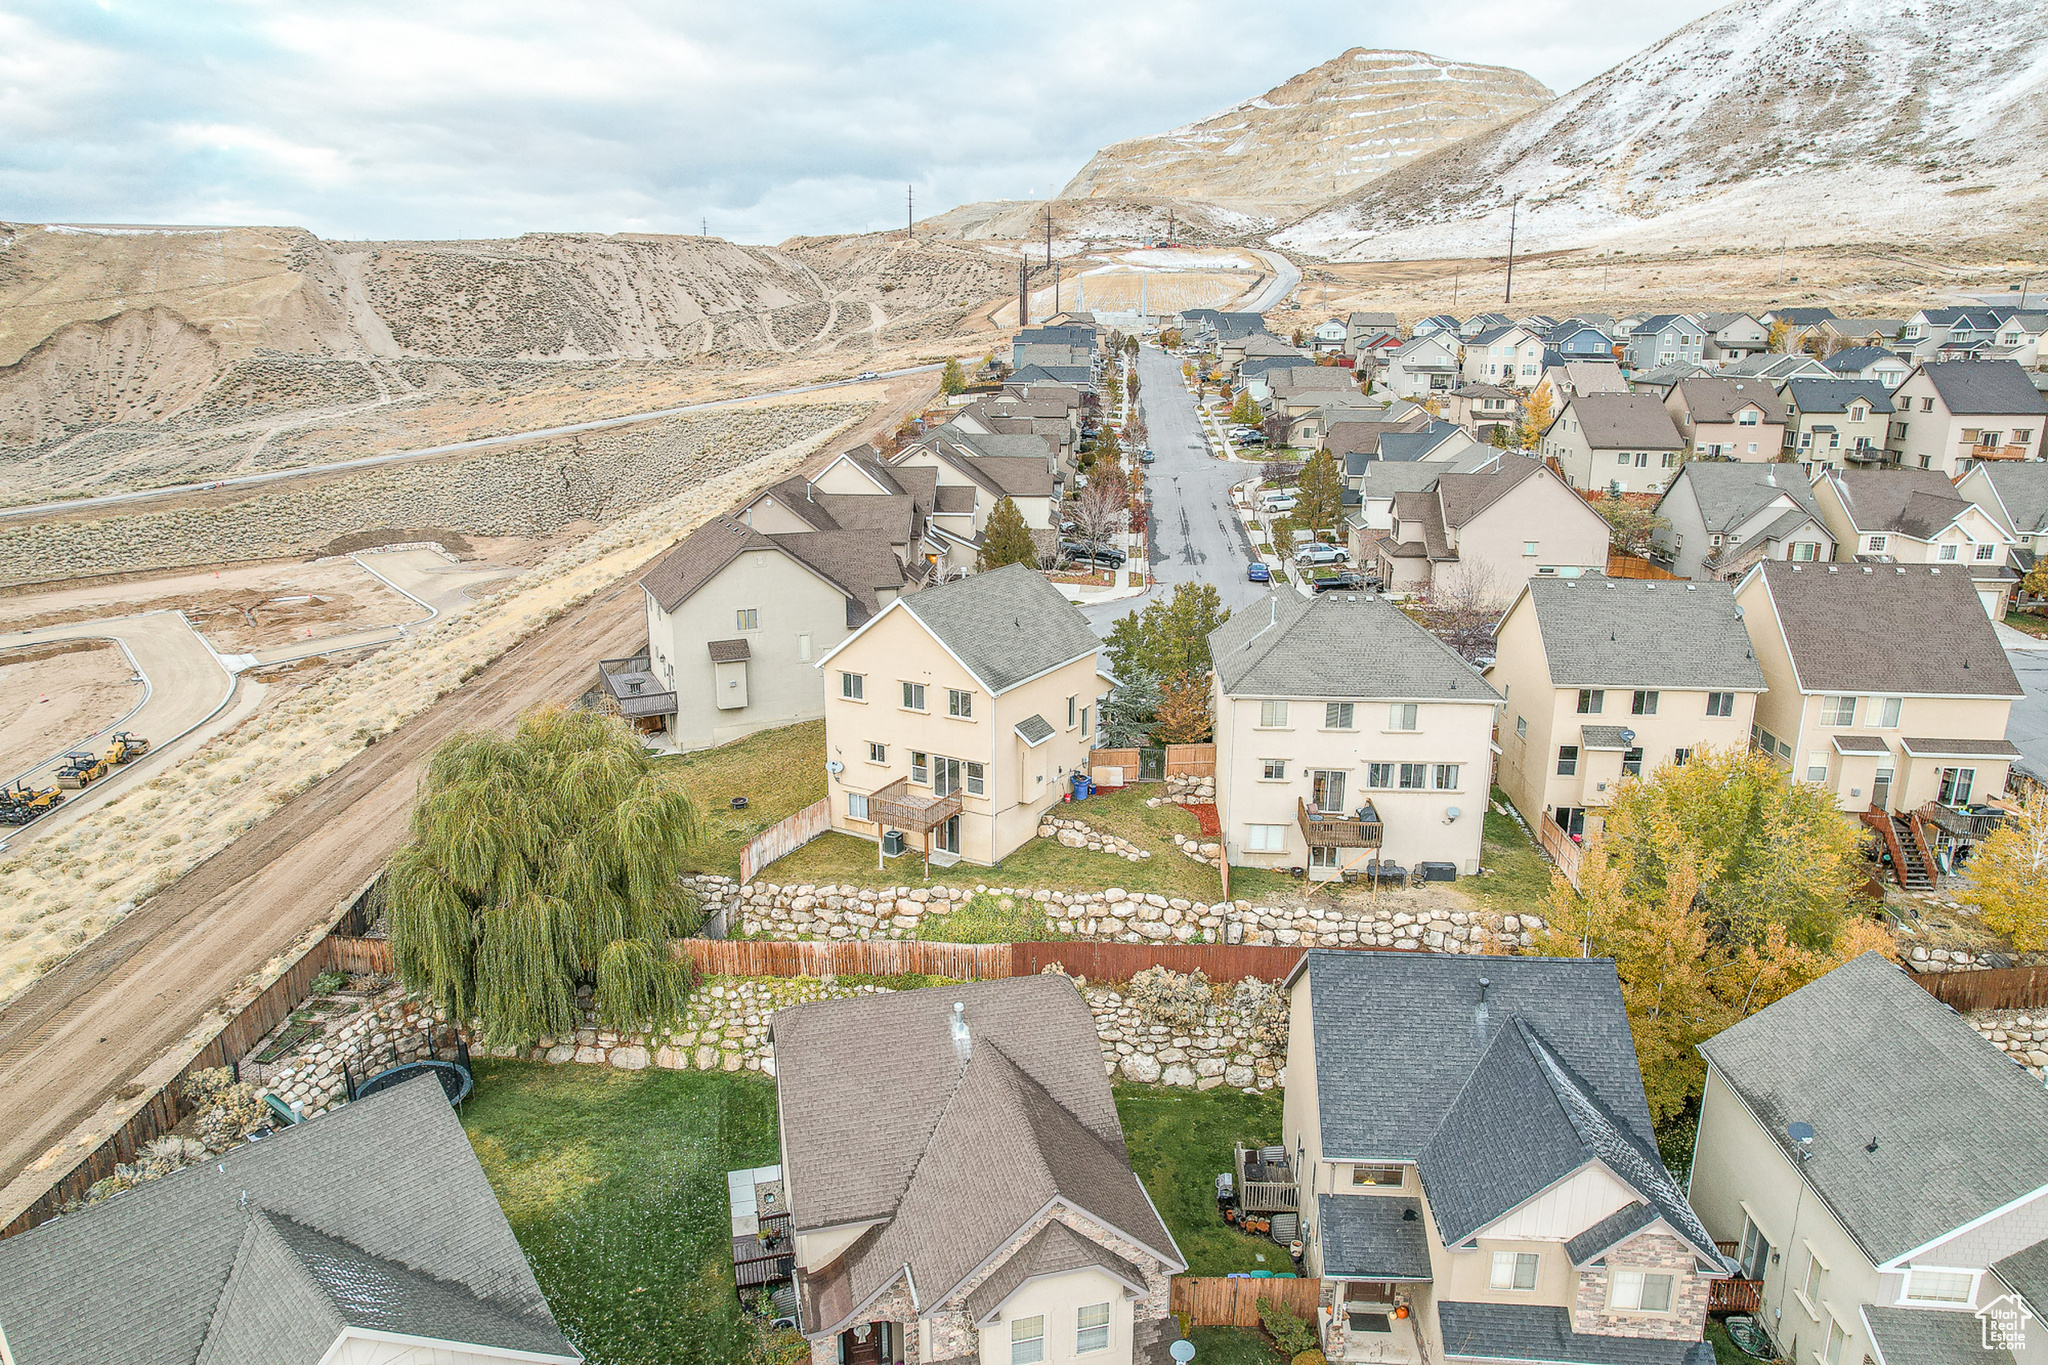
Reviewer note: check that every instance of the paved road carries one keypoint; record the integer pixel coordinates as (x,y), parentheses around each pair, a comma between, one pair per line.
(425,576)
(1195,536)
(2028,725)
(428,452)
(1285,278)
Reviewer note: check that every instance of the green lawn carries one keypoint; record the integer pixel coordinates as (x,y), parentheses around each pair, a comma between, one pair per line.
(2027,621)
(778,771)
(1233,1346)
(1725,1351)
(614,1183)
(1179,1142)
(1517,876)
(842,859)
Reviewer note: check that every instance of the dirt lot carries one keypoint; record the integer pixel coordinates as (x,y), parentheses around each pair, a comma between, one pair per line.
(238,609)
(50,695)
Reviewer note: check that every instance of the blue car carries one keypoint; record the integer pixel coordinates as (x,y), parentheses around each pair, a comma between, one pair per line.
(1259,573)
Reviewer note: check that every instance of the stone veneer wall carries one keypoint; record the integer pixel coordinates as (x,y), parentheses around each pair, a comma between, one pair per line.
(1658,1252)
(1113,915)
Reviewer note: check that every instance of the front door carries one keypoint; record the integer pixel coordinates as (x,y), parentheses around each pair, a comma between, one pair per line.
(862,1345)
(949,835)
(1880,799)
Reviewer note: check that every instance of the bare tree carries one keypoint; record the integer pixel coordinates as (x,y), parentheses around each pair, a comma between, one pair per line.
(1461,608)
(1102,510)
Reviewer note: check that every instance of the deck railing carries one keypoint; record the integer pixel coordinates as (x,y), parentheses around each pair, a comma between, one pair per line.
(1734,1296)
(1322,829)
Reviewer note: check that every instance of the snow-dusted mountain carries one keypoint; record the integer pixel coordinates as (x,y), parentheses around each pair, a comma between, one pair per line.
(1809,121)
(1319,135)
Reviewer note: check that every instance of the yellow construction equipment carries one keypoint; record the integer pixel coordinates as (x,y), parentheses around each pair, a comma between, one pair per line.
(81,769)
(21,803)
(126,748)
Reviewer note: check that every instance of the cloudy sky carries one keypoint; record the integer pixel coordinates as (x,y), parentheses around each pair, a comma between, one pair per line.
(768,118)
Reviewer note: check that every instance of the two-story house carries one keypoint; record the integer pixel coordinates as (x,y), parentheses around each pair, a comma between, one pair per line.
(1721,518)
(1620,441)
(1830,423)
(1886,683)
(1476,1169)
(1483,322)
(1437,324)
(1729,419)
(1667,339)
(1849,333)
(1954,413)
(1511,355)
(1932,330)
(1821,1112)
(1606,679)
(1874,363)
(1478,537)
(1577,341)
(1425,364)
(1734,336)
(1479,408)
(1362,330)
(734,619)
(1347,737)
(956,716)
(957,1183)
(1564,382)
(2015,497)
(1775,368)
(972,473)
(1916,516)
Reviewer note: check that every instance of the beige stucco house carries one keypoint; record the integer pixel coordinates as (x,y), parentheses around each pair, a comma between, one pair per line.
(1346,735)
(1504,355)
(1886,683)
(957,716)
(1953,413)
(736,618)
(1729,419)
(1607,679)
(1916,516)
(2015,497)
(1620,441)
(971,474)
(1835,423)
(1475,1166)
(1819,1110)
(987,1210)
(1480,536)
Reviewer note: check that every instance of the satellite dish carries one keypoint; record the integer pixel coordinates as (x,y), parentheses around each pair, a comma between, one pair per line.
(1182,1351)
(1628,737)
(1451,812)
(1800,1132)
(835,767)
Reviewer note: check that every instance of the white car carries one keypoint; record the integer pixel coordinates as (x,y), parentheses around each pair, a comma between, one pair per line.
(869,374)
(1280,504)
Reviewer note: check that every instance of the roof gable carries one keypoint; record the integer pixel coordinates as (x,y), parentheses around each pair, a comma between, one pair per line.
(1605,632)
(1338,645)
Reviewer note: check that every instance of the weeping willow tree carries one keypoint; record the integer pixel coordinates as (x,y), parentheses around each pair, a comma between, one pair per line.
(538,863)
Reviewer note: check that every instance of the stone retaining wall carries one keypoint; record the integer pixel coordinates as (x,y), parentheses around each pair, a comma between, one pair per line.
(2020,1034)
(1078,834)
(1925,959)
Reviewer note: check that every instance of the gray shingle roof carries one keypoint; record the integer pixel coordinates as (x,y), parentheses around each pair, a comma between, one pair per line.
(1718,400)
(967,1151)
(1534,1332)
(1769,366)
(1921,747)
(1034,730)
(1602,737)
(1610,1232)
(1606,632)
(2022,485)
(1051,1250)
(1005,625)
(1852,358)
(1988,387)
(1372,1235)
(1843,624)
(247,1256)
(855,562)
(1337,645)
(1925,1336)
(1864,1052)
(1914,502)
(2025,1273)
(1624,421)
(1835,395)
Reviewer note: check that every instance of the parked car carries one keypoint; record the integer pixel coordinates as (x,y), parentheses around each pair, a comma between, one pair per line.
(1094,552)
(1251,438)
(1348,581)
(869,374)
(1147,458)
(1277,502)
(1315,556)
(1258,573)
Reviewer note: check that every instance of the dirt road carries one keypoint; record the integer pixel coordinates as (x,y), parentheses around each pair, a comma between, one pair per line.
(80,1045)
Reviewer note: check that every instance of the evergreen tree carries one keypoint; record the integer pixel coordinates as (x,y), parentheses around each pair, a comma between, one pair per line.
(1006,539)
(538,862)
(1128,711)
(951,380)
(1170,637)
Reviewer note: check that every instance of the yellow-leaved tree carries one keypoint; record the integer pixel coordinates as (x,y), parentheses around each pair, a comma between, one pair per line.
(2008,874)
(1536,415)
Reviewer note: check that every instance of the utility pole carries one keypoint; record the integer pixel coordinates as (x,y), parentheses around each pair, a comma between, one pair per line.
(705,224)
(1513,212)
(910,211)
(1456,271)
(1048,233)
(1023,292)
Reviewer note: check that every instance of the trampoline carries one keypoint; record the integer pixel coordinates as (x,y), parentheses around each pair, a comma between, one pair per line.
(454,1076)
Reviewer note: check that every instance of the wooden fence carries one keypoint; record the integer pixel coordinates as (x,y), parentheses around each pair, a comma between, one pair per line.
(1221,1301)
(360,956)
(1566,852)
(1126,760)
(784,837)
(1191,760)
(2007,988)
(1621,565)
(1121,961)
(859,957)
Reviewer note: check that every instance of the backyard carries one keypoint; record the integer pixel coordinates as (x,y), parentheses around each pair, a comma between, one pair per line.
(614,1183)
(1517,876)
(779,772)
(1179,1141)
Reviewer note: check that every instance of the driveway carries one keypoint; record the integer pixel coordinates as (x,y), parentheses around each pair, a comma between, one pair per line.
(2028,725)
(1196,538)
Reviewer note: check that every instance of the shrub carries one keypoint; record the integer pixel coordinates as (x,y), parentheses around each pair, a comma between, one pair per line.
(1264,1008)
(1309,1357)
(1291,1332)
(988,918)
(1167,997)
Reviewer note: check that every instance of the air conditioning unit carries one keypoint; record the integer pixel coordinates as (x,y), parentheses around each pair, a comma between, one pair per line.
(892,843)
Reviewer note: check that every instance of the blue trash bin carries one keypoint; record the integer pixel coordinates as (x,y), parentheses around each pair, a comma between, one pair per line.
(1084,786)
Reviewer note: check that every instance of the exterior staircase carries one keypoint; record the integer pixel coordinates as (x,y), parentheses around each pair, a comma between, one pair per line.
(1911,866)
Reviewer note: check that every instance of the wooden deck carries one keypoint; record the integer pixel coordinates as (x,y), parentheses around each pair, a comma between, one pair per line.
(897,807)
(1322,829)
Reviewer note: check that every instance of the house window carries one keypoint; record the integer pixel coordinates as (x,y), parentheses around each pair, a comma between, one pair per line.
(853,686)
(1632,762)
(1376,1176)
(1815,1273)
(1265,838)
(1946,553)
(919,769)
(1414,776)
(1072,703)
(1748,417)
(1401,716)
(1756,1251)
(1832,1352)
(1940,1286)
(959,703)
(856,806)
(1027,1340)
(1926,404)
(977,780)
(747,618)
(1817,766)
(1446,775)
(1720,703)
(1514,1270)
(1274,769)
(1877,545)
(1986,553)
(1084,722)
(1680,757)
(877,753)
(1567,760)
(1272,715)
(1521,727)
(1887,709)
(1856,414)
(1641,1292)
(1643,704)
(1529,548)
(1379,774)
(1329,791)
(1592,701)
(913,696)
(1955,786)
(1337,715)
(1091,1328)
(1805,551)
(1322,855)
(803,649)
(1838,711)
